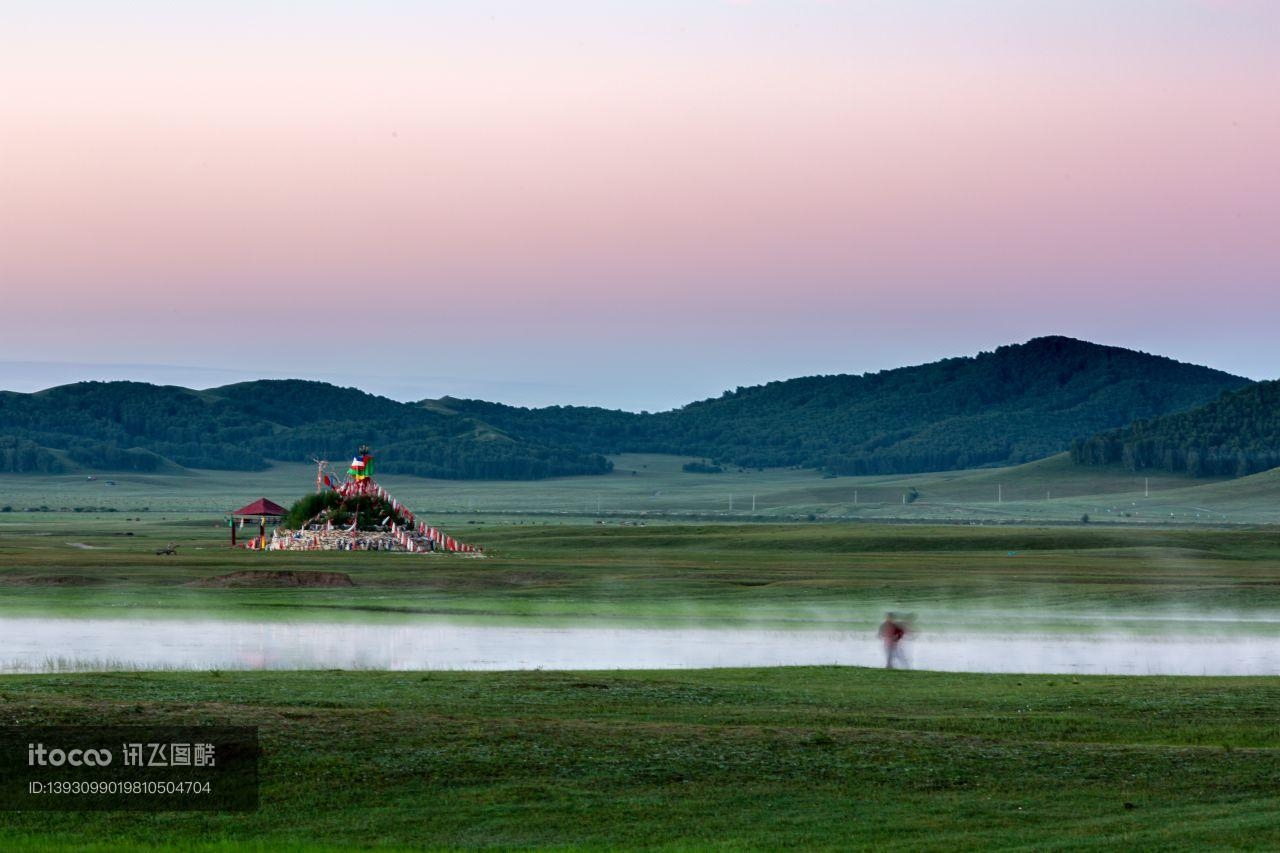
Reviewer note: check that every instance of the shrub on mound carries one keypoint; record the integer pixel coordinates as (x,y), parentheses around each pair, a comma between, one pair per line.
(369,511)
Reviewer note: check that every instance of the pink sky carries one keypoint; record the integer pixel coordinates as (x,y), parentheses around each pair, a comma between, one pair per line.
(630,204)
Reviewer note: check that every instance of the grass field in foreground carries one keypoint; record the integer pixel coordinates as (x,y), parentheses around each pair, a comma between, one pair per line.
(805,757)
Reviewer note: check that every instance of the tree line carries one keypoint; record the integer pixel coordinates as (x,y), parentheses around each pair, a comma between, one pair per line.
(1009,406)
(130,426)
(1234,436)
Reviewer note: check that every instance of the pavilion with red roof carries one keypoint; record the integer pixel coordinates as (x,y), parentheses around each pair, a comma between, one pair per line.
(261,509)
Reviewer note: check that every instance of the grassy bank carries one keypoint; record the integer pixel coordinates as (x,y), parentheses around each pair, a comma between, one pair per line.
(790,574)
(812,757)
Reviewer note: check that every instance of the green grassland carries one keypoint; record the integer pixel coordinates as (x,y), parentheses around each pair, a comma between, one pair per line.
(789,574)
(816,757)
(811,758)
(654,487)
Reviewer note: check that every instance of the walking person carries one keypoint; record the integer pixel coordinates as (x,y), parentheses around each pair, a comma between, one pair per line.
(892,633)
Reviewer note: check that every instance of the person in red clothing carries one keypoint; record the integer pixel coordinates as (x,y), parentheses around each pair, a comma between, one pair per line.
(892,633)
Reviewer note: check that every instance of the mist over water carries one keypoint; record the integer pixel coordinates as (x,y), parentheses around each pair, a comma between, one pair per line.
(32,644)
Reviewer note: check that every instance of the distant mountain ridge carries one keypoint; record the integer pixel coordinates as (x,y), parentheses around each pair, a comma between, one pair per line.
(1012,405)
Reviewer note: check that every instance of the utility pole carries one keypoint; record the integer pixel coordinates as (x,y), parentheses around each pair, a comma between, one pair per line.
(1000,493)
(855,497)
(753,503)
(1146,489)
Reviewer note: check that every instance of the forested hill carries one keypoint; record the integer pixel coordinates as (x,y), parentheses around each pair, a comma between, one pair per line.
(1234,436)
(1009,406)
(1005,407)
(140,427)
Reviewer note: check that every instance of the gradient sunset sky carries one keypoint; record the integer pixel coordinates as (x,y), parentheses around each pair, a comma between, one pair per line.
(632,204)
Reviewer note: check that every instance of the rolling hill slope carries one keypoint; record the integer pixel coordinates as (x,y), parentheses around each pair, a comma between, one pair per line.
(1005,407)
(139,427)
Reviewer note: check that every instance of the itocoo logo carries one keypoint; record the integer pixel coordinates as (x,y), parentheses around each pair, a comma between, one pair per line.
(39,756)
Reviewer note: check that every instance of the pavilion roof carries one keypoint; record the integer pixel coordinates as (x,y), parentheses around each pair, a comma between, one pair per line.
(262,506)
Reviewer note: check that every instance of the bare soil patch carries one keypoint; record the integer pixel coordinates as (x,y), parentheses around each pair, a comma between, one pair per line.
(275,579)
(52,580)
